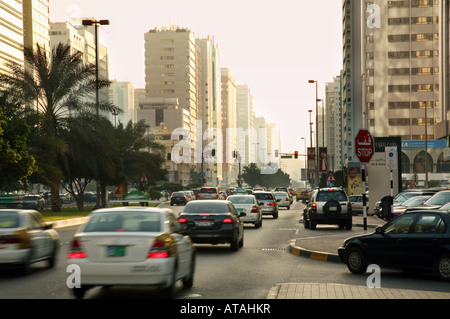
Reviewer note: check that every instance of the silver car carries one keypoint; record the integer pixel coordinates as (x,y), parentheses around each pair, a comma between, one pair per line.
(267,202)
(283,199)
(247,204)
(208,193)
(26,239)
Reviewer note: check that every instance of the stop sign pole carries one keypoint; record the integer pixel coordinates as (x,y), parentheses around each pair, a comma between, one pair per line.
(364,149)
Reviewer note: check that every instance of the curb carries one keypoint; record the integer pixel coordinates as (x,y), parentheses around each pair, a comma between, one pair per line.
(318,255)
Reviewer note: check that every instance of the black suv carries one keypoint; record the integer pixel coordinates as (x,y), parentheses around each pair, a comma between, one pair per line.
(328,206)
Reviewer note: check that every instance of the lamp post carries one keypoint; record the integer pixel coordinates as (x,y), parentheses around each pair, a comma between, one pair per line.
(96,23)
(317,130)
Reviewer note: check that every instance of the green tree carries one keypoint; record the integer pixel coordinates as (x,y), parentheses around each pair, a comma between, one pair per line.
(55,90)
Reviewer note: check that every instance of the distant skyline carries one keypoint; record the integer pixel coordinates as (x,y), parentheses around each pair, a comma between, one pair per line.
(274,47)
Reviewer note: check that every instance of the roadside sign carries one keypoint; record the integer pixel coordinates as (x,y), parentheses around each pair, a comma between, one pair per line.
(364,146)
(330,179)
(202,174)
(391,157)
(144,179)
(352,172)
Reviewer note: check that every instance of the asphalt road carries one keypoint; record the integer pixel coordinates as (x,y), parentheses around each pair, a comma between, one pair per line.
(249,273)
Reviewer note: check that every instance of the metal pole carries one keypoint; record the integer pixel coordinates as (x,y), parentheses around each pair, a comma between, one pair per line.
(97,204)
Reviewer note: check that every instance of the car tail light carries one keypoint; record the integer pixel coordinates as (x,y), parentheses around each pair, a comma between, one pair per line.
(217,195)
(287,199)
(158,250)
(76,251)
(314,207)
(227,221)
(349,207)
(182,220)
(9,239)
(254,209)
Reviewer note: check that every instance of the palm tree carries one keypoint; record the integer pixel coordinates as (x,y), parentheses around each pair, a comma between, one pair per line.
(55,90)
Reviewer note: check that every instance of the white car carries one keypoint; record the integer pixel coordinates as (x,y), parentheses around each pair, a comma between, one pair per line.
(283,199)
(247,204)
(132,246)
(26,239)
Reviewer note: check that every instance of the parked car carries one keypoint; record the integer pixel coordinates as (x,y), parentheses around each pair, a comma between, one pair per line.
(357,203)
(411,202)
(247,204)
(417,240)
(223,195)
(328,206)
(267,202)
(178,198)
(213,222)
(32,201)
(404,195)
(208,193)
(25,239)
(283,199)
(434,202)
(132,246)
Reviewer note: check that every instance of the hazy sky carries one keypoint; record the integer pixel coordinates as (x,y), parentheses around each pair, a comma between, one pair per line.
(275,47)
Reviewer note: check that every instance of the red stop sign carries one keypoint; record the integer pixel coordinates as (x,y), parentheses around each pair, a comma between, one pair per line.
(364,146)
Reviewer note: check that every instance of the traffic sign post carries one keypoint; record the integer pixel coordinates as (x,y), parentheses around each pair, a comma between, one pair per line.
(391,164)
(364,149)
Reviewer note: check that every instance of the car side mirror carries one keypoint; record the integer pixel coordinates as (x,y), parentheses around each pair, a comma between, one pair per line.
(242,214)
(379,230)
(48,226)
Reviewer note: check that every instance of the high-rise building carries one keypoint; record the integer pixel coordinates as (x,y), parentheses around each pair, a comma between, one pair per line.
(228,97)
(121,94)
(11,34)
(244,114)
(36,24)
(333,123)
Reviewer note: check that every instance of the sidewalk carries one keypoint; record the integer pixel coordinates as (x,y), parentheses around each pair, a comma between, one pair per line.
(325,248)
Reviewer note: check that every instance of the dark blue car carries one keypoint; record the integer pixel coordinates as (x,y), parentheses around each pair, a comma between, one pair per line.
(418,240)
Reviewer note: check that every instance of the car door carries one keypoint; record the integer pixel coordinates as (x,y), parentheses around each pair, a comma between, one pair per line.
(41,240)
(391,247)
(183,243)
(425,239)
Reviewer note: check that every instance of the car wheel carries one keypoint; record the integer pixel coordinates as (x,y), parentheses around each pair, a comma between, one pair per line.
(188,281)
(25,268)
(443,266)
(79,293)
(275,216)
(52,258)
(349,224)
(355,260)
(241,242)
(170,291)
(305,221)
(234,245)
(312,224)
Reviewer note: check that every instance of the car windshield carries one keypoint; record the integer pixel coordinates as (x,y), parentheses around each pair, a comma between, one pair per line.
(264,196)
(325,196)
(205,207)
(132,221)
(438,199)
(414,201)
(9,220)
(241,199)
(280,195)
(178,194)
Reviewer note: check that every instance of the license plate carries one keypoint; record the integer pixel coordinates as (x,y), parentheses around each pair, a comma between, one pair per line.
(240,210)
(115,251)
(332,209)
(204,223)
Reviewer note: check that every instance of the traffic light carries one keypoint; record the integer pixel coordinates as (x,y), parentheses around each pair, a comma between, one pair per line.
(296,154)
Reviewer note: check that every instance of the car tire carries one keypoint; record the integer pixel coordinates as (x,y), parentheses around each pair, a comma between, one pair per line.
(234,245)
(443,266)
(312,225)
(169,292)
(188,281)
(79,293)
(355,260)
(349,224)
(52,258)
(305,221)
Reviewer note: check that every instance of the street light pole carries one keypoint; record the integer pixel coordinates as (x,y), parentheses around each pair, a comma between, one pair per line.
(96,23)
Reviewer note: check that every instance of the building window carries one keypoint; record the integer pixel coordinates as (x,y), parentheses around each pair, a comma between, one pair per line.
(398,55)
(398,71)
(398,105)
(398,38)
(398,88)
(399,122)
(398,21)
